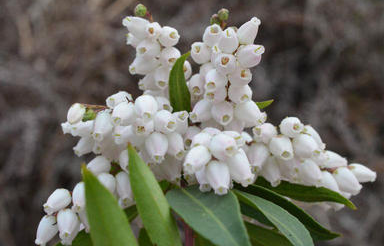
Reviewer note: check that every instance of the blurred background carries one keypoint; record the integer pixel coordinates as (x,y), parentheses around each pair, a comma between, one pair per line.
(324,62)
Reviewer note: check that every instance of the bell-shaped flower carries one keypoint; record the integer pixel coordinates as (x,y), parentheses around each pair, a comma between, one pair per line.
(98,165)
(75,113)
(223,146)
(156,146)
(346,180)
(46,230)
(281,147)
(362,173)
(58,200)
(196,158)
(218,176)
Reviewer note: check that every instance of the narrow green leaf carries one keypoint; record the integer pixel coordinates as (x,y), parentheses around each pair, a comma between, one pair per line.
(287,224)
(318,232)
(131,212)
(306,193)
(151,203)
(264,104)
(82,239)
(109,225)
(254,214)
(216,218)
(179,95)
(265,237)
(200,241)
(144,238)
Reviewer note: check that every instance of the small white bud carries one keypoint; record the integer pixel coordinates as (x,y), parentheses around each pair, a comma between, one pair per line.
(329,182)
(175,145)
(222,112)
(59,199)
(98,165)
(187,70)
(196,159)
(148,49)
(305,146)
(240,169)
(169,56)
(181,121)
(46,230)
(228,41)
(189,134)
(235,125)
(136,26)
(143,66)
(216,96)
(291,127)
(124,191)
(212,34)
(124,114)
(271,171)
(248,31)
(102,126)
(132,40)
(78,197)
(75,113)
(205,68)
(163,103)
(117,98)
(169,36)
(309,172)
(313,133)
(66,127)
(249,113)
(146,107)
(249,55)
(362,173)
(124,160)
(68,224)
(82,128)
(108,181)
(153,30)
(165,121)
(215,81)
(156,145)
(201,111)
(333,160)
(202,138)
(264,132)
(281,147)
(240,94)
(84,146)
(200,52)
(346,180)
(196,85)
(240,76)
(258,154)
(223,146)
(225,63)
(218,176)
(202,180)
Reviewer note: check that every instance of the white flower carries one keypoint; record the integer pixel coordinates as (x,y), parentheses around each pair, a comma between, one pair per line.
(84,146)
(153,30)
(228,41)
(142,127)
(196,159)
(291,127)
(249,113)
(117,98)
(124,160)
(68,224)
(124,191)
(46,230)
(235,125)
(362,173)
(202,180)
(66,127)
(132,40)
(240,169)
(146,106)
(148,49)
(171,169)
(309,172)
(346,180)
(329,182)
(175,145)
(169,56)
(156,146)
(189,134)
(78,197)
(217,174)
(333,160)
(240,141)
(201,111)
(305,146)
(124,114)
(211,124)
(216,96)
(240,94)
(215,52)
(75,113)
(82,128)
(165,121)
(201,138)
(240,76)
(143,65)
(225,63)
(211,130)
(289,169)
(212,35)
(59,199)
(200,52)
(108,181)
(187,70)
(84,220)
(214,81)
(281,147)
(248,31)
(169,36)
(205,68)
(196,85)
(136,26)
(264,132)
(222,112)
(163,103)
(258,154)
(313,133)
(125,134)
(222,146)
(181,121)
(102,126)
(271,171)
(249,55)
(148,82)
(98,165)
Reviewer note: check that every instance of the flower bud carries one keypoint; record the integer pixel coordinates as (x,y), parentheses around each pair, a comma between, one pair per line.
(240,94)
(217,174)
(146,107)
(258,154)
(187,70)
(165,121)
(125,134)
(291,127)
(78,197)
(214,81)
(216,96)
(196,85)
(212,35)
(240,76)
(222,112)
(329,182)
(84,146)
(225,63)
(156,145)
(201,111)
(346,180)
(84,220)
(124,191)
(313,133)
(124,160)
(66,127)
(169,56)
(223,14)
(181,121)
(136,26)
(200,52)
(362,173)
(228,42)
(196,159)
(75,113)
(249,55)
(202,180)
(117,98)
(148,49)
(202,138)
(305,146)
(98,165)
(264,132)
(102,126)
(189,134)
(68,224)
(171,169)
(169,36)
(309,172)
(46,230)
(271,171)
(108,181)
(190,178)
(163,103)
(175,145)
(124,114)
(153,30)
(240,168)
(143,65)
(82,129)
(235,125)
(205,68)
(289,169)
(248,112)
(132,40)
(248,31)
(140,10)
(333,160)
(281,147)
(148,82)
(223,146)
(59,199)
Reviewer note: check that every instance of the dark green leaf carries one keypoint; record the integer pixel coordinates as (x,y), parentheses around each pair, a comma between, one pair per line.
(151,203)
(318,232)
(216,218)
(82,239)
(144,238)
(200,241)
(287,224)
(131,212)
(264,104)
(179,95)
(306,193)
(109,225)
(265,237)
(254,214)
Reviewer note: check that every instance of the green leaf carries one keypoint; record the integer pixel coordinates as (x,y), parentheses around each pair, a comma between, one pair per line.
(144,238)
(216,218)
(151,203)
(254,214)
(264,104)
(109,225)
(179,95)
(318,232)
(287,224)
(131,212)
(261,236)
(200,241)
(82,239)
(306,193)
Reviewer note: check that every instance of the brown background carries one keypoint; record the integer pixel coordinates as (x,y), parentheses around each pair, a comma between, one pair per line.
(323,62)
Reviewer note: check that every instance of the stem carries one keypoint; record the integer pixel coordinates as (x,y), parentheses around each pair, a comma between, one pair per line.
(189,240)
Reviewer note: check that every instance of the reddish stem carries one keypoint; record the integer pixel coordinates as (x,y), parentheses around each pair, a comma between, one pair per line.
(189,240)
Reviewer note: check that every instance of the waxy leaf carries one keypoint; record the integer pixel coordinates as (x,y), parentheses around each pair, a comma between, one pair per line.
(144,238)
(261,236)
(131,212)
(179,95)
(151,203)
(216,218)
(264,104)
(108,222)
